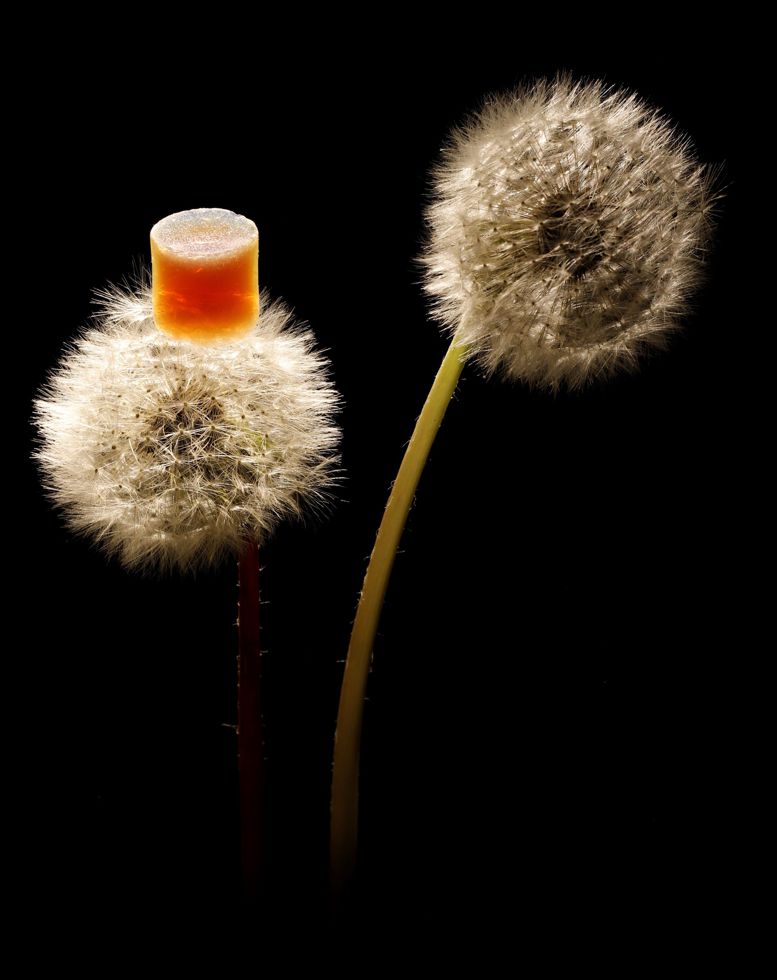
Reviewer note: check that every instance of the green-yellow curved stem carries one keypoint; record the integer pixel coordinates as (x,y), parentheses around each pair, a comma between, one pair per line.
(345,774)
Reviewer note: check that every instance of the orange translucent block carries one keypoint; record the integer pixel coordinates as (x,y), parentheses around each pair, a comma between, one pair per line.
(205,274)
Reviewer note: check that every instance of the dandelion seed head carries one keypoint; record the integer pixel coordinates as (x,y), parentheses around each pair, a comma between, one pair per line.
(173,454)
(566,232)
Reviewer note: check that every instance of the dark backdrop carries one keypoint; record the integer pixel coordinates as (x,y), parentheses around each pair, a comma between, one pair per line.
(551,732)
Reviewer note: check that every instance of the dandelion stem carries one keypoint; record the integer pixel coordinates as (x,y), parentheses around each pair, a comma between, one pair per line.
(249,724)
(345,775)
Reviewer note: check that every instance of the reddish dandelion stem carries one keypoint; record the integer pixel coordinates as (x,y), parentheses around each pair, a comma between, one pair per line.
(249,722)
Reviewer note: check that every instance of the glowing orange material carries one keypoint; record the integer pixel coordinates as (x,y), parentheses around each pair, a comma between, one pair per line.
(205,274)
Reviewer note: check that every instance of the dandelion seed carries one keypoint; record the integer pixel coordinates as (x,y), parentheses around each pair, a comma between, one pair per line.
(187,482)
(574,203)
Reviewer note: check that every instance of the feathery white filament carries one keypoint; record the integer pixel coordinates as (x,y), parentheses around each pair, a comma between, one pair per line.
(566,232)
(172,453)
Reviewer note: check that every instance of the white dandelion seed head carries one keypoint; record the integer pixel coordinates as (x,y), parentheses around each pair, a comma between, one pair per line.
(566,232)
(173,454)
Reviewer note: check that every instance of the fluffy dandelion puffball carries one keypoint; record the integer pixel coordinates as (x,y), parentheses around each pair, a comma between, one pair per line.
(566,232)
(174,454)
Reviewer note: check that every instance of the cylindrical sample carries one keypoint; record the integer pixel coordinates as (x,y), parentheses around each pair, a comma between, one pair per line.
(205,274)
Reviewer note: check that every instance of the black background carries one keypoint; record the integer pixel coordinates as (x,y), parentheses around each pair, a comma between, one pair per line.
(554,719)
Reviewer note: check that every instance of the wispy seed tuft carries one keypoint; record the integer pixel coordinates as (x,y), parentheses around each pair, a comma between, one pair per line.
(566,232)
(173,454)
